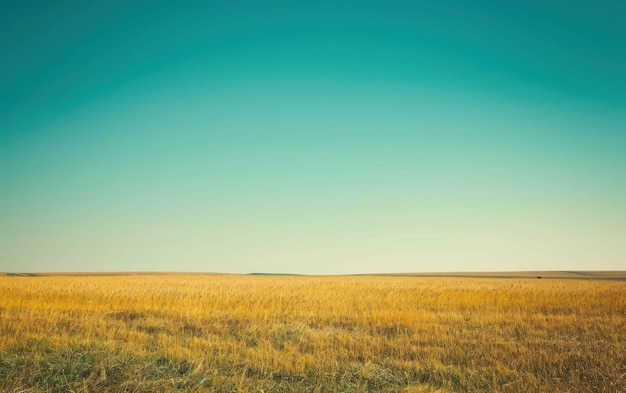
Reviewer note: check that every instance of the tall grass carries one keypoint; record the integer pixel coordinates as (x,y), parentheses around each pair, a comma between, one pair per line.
(224,333)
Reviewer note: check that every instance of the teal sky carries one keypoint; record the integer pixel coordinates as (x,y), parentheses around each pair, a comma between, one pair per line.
(312,137)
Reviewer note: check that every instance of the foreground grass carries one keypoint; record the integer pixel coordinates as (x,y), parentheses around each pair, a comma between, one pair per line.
(321,334)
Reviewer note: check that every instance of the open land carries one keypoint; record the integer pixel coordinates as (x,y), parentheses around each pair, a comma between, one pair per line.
(483,332)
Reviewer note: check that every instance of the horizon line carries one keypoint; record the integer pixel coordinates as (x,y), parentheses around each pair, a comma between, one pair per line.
(557,274)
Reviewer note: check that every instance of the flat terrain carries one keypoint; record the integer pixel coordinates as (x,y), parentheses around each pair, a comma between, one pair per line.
(400,333)
(584,275)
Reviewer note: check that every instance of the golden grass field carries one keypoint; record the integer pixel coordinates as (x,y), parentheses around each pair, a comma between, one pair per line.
(255,333)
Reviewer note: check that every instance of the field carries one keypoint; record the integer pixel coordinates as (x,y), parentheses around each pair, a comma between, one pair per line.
(257,333)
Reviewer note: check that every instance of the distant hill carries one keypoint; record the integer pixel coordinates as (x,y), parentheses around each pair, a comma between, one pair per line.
(619,275)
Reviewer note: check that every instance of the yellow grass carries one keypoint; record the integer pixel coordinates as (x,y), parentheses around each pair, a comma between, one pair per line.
(223,333)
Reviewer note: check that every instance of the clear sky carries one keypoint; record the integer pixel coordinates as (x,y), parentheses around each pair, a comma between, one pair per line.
(312,136)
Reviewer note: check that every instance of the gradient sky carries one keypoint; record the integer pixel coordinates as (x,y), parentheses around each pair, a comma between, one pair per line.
(312,137)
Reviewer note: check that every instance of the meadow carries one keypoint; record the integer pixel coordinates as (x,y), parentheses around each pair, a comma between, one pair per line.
(257,333)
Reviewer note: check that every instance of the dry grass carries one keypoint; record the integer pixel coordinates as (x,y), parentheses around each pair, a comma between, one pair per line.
(226,333)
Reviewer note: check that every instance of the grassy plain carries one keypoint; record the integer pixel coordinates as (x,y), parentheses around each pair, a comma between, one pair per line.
(226,333)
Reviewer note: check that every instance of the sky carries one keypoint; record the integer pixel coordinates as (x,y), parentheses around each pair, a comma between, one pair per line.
(312,137)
